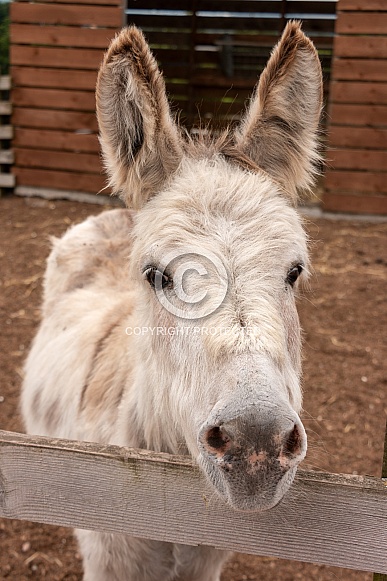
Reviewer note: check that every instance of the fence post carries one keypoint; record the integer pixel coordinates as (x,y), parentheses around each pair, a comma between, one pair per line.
(380,576)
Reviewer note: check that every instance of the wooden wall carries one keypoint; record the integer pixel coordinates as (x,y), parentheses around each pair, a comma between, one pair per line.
(56,49)
(357,178)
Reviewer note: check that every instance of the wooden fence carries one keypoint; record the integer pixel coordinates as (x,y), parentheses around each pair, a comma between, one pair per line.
(357,180)
(56,49)
(212,51)
(332,519)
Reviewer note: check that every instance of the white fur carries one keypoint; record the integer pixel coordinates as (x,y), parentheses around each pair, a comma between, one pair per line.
(88,378)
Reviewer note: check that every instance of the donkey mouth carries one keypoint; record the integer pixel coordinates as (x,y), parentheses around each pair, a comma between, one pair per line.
(245,491)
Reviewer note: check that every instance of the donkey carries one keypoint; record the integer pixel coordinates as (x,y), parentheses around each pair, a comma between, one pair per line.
(172,325)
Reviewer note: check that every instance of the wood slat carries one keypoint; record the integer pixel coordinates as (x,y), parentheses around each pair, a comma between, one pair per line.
(71,14)
(6,132)
(359,69)
(63,160)
(359,115)
(66,36)
(7,180)
(358,137)
(355,92)
(55,140)
(332,519)
(6,157)
(362,23)
(362,5)
(67,58)
(364,159)
(5,108)
(5,83)
(53,78)
(374,47)
(101,2)
(66,180)
(51,119)
(356,204)
(54,99)
(357,181)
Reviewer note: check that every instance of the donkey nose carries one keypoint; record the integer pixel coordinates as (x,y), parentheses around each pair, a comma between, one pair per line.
(279,441)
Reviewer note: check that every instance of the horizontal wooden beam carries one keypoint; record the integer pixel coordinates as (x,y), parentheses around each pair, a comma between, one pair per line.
(72,14)
(326,518)
(361,5)
(362,22)
(354,203)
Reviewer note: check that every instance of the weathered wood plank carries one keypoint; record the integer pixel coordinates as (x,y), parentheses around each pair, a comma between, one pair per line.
(5,83)
(357,204)
(6,157)
(361,5)
(333,519)
(355,92)
(362,22)
(5,108)
(364,159)
(54,99)
(72,14)
(357,181)
(361,46)
(7,180)
(6,132)
(61,36)
(102,2)
(61,58)
(63,160)
(52,119)
(359,115)
(66,180)
(358,137)
(51,78)
(359,69)
(55,140)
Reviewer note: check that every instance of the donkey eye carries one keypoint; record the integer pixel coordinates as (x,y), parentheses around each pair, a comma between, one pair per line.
(294,273)
(156,278)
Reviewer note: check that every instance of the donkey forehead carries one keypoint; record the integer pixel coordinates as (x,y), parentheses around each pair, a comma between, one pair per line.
(213,204)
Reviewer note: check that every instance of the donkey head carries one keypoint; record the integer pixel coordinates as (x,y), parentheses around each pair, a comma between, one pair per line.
(217,250)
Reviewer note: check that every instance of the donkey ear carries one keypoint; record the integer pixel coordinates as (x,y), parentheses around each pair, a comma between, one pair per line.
(280,128)
(140,142)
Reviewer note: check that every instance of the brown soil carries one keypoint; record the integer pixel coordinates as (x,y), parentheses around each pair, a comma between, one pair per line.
(344,317)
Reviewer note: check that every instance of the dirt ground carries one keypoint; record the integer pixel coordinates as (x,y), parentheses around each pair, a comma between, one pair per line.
(343,314)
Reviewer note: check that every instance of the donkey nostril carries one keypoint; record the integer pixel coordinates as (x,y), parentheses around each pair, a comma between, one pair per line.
(292,443)
(217,439)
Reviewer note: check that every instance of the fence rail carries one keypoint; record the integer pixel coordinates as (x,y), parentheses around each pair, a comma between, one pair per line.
(337,520)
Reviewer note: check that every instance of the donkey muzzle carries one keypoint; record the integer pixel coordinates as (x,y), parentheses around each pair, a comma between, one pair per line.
(252,459)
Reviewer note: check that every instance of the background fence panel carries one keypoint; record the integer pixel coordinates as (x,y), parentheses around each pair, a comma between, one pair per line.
(212,52)
(356,180)
(56,49)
